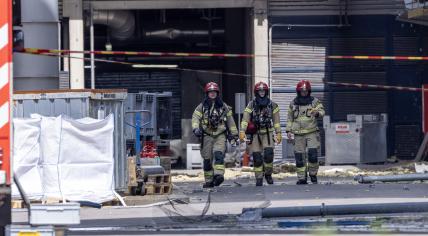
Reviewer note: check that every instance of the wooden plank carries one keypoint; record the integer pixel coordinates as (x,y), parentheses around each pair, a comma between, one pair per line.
(132,172)
(17,204)
(158,189)
(159,179)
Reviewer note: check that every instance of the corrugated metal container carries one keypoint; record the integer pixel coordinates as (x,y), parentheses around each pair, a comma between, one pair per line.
(55,214)
(152,82)
(360,139)
(157,121)
(78,104)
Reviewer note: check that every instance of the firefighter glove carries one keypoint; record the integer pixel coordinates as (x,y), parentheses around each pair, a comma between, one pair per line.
(197,132)
(315,113)
(278,138)
(242,136)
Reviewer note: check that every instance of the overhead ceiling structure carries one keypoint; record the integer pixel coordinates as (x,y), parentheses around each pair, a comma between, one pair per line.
(335,7)
(166,4)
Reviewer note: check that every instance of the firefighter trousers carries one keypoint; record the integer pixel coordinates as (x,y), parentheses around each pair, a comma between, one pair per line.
(306,148)
(213,152)
(262,152)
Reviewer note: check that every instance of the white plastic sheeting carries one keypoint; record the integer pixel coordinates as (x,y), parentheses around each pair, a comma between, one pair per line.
(26,157)
(71,159)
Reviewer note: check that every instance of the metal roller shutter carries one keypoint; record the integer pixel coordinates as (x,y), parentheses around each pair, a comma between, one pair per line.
(296,59)
(292,61)
(406,119)
(358,71)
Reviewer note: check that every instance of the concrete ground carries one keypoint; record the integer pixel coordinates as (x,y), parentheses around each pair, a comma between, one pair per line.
(193,210)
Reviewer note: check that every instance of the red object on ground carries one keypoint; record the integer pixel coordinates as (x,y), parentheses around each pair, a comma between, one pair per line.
(246,159)
(149,150)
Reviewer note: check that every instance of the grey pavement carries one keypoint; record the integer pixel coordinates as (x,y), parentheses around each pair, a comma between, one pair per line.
(226,203)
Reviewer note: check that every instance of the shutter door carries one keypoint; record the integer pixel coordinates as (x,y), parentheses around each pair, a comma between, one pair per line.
(358,71)
(296,59)
(292,61)
(407,113)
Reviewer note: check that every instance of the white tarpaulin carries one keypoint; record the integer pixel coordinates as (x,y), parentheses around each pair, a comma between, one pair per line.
(26,157)
(75,158)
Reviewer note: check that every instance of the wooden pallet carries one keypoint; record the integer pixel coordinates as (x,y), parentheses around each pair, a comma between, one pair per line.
(157,189)
(18,203)
(158,179)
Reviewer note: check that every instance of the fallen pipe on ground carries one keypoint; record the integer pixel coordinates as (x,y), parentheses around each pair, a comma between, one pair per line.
(349,209)
(390,178)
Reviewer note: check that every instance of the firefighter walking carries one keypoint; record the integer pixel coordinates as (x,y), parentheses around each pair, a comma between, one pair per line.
(303,113)
(261,121)
(212,122)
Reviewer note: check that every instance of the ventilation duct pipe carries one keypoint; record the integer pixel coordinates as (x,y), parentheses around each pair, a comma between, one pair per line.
(177,33)
(121,23)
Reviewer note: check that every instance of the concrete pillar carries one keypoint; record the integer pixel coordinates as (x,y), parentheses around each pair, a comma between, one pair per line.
(77,74)
(260,42)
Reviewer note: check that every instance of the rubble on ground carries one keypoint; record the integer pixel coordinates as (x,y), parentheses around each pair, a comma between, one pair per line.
(282,170)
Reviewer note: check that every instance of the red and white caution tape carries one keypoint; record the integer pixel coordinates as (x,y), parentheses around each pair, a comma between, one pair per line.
(375,86)
(138,65)
(396,58)
(129,53)
(222,55)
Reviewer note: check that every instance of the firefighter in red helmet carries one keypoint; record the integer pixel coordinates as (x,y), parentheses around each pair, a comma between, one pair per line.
(303,113)
(261,121)
(212,122)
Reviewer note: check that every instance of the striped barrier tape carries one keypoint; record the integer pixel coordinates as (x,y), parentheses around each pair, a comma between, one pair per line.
(357,85)
(375,86)
(128,53)
(396,58)
(222,55)
(137,65)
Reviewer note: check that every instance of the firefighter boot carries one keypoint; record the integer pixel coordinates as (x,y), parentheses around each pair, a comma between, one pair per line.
(259,182)
(208,185)
(314,179)
(301,181)
(269,179)
(218,179)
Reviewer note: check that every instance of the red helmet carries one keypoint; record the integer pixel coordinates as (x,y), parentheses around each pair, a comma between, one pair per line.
(261,86)
(303,85)
(211,86)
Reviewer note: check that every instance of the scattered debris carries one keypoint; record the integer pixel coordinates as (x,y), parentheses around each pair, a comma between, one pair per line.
(421,167)
(284,168)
